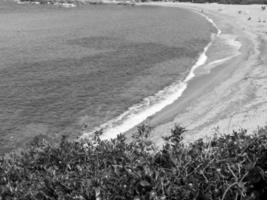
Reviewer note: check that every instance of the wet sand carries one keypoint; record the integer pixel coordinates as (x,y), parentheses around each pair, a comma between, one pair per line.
(231,95)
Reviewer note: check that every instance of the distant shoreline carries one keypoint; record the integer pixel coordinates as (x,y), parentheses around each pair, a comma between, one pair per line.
(74,3)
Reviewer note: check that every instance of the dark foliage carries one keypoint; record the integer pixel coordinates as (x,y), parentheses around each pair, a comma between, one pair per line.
(228,167)
(192,1)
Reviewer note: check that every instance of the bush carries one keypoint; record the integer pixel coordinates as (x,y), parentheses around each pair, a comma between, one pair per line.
(228,167)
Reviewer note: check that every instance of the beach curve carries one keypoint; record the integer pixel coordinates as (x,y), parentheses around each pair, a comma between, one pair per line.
(151,105)
(232,95)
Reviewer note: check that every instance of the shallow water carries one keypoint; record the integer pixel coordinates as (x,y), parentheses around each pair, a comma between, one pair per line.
(63,68)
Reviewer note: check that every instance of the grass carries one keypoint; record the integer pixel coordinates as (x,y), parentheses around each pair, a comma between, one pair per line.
(228,167)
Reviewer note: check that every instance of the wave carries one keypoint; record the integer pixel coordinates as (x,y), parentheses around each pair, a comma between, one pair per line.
(153,104)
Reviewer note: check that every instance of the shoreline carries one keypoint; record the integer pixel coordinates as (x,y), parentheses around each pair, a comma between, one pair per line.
(177,112)
(137,114)
(225,98)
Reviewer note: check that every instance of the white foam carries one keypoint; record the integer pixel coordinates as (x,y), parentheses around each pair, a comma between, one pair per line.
(220,61)
(67,5)
(153,104)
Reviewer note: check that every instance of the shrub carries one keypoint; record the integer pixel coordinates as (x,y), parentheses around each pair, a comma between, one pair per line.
(228,167)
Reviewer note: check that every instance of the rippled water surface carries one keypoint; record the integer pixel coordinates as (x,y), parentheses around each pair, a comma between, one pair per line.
(63,68)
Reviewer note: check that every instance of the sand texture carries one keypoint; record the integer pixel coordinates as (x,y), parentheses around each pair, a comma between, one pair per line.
(227,94)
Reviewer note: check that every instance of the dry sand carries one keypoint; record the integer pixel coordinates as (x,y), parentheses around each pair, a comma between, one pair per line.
(230,95)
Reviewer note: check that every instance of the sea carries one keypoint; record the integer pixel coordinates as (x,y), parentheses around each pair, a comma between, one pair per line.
(71,71)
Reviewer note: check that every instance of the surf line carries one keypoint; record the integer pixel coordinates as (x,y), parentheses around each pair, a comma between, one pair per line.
(149,106)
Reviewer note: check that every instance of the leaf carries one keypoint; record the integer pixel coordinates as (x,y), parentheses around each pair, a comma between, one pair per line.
(144,183)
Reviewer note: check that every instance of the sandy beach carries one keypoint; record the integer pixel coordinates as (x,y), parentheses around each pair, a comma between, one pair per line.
(226,94)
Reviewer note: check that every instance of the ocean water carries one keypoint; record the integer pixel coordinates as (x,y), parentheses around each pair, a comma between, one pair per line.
(67,71)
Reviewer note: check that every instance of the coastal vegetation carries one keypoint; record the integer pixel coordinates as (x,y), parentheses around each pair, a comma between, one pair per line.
(192,1)
(226,167)
(50,1)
